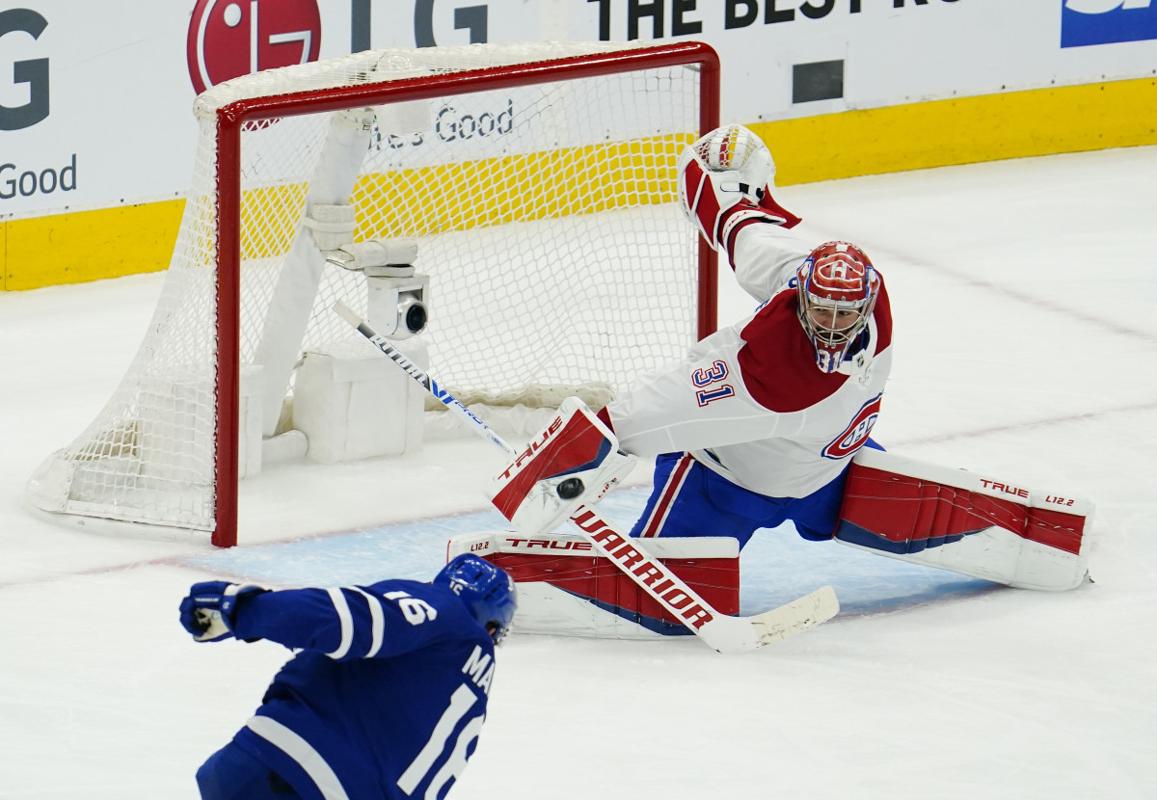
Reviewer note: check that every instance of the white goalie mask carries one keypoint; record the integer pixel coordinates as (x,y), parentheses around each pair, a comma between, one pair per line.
(837,289)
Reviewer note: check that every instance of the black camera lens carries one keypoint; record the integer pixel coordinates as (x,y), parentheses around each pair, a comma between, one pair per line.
(416,318)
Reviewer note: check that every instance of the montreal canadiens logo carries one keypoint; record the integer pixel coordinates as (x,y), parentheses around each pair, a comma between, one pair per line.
(852,438)
(229,38)
(839,274)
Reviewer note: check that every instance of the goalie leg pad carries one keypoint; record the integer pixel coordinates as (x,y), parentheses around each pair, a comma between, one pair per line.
(566,587)
(965,522)
(573,462)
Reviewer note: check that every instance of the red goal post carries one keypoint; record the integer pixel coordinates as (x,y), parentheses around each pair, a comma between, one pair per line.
(249,214)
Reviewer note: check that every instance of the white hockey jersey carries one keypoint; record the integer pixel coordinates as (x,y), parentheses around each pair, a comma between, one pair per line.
(748,401)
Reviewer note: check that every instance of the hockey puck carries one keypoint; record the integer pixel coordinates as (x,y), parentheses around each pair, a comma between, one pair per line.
(570,488)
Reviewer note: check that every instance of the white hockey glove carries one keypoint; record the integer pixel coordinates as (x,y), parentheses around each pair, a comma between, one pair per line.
(573,462)
(723,178)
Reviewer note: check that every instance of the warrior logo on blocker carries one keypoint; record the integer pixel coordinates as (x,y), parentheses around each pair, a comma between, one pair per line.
(229,38)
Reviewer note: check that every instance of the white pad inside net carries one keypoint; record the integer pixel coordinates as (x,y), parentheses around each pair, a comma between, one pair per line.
(544,215)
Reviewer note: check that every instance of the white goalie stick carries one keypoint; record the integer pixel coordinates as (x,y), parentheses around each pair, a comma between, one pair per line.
(722,633)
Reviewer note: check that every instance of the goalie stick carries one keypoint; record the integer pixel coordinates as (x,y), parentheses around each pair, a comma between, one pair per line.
(720,632)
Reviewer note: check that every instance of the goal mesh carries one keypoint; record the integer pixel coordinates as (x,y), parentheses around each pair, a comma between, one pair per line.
(544,215)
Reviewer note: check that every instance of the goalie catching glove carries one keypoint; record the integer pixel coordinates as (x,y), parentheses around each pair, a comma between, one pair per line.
(725,181)
(209,612)
(573,462)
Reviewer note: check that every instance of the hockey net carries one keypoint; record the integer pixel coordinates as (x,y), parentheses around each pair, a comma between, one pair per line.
(539,183)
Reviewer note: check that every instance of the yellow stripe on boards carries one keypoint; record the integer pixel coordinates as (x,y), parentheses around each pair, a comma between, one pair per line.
(83,246)
(90,245)
(473,194)
(963,131)
(269,219)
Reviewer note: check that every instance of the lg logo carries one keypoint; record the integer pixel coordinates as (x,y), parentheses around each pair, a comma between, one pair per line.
(1103,6)
(430,16)
(33,72)
(472,18)
(228,38)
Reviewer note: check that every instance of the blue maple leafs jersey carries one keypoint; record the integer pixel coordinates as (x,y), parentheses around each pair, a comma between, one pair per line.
(386,698)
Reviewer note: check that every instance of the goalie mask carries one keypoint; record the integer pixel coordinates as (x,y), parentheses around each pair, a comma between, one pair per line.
(837,288)
(486,590)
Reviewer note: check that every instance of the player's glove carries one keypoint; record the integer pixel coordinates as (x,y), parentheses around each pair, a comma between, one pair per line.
(724,180)
(209,611)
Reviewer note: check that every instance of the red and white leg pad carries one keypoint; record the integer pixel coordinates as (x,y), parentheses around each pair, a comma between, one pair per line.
(574,461)
(981,525)
(566,587)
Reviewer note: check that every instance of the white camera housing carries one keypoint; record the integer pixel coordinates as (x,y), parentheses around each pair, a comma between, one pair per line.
(397,293)
(397,301)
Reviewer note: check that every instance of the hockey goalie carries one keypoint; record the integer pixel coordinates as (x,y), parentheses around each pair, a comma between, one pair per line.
(769,420)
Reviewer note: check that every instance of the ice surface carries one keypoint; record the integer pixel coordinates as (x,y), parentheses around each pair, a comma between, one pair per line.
(1026,344)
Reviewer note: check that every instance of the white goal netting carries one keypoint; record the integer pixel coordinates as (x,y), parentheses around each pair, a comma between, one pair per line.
(545,219)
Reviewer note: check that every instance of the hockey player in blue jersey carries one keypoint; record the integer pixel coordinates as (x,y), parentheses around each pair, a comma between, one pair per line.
(386,696)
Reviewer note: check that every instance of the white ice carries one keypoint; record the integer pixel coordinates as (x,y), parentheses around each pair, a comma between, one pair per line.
(1025,303)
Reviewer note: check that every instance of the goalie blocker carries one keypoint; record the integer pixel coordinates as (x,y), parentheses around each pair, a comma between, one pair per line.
(567,587)
(573,462)
(977,525)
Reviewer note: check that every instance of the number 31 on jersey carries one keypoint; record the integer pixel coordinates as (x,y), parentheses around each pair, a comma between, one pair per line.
(703,379)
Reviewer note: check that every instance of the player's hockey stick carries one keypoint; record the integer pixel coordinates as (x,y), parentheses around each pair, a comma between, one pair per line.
(722,633)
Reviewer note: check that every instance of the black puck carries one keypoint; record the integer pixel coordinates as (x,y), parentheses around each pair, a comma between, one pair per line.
(570,488)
